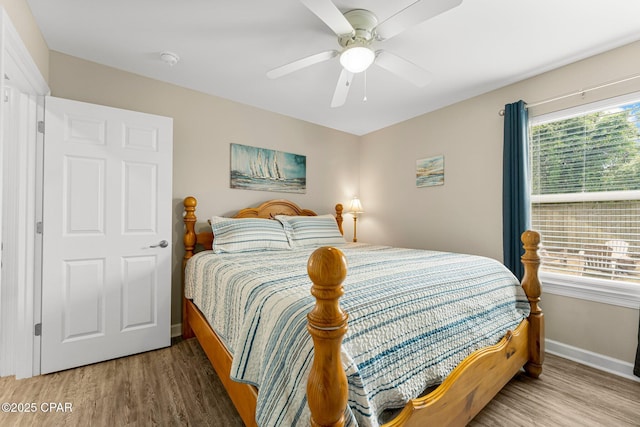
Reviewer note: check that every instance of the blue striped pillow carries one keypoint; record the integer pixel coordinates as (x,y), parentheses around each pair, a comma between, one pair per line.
(247,234)
(305,231)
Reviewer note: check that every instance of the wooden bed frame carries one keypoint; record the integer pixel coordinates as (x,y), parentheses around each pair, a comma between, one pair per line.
(462,395)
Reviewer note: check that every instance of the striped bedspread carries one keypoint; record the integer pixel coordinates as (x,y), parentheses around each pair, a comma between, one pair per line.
(413,316)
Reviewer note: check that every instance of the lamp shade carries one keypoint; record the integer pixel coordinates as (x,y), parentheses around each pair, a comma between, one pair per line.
(357,58)
(356,206)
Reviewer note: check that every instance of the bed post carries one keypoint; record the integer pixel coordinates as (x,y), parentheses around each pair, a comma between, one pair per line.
(339,217)
(327,324)
(189,240)
(533,289)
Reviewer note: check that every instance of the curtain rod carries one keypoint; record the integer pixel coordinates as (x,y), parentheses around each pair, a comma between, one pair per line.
(578,92)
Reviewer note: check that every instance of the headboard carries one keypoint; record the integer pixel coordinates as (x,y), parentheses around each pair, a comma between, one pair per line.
(267,210)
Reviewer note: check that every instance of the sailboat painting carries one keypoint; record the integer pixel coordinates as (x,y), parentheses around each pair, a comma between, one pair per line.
(262,169)
(430,171)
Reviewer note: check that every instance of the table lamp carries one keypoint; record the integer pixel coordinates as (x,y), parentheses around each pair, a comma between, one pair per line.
(355,208)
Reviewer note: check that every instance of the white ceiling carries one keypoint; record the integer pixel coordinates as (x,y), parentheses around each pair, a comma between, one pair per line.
(227,46)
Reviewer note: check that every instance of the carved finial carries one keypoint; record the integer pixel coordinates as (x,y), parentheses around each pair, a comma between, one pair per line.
(327,381)
(190,202)
(531,260)
(327,266)
(189,240)
(530,239)
(533,289)
(189,219)
(339,210)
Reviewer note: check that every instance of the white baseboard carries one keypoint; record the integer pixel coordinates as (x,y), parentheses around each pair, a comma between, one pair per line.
(176,330)
(595,360)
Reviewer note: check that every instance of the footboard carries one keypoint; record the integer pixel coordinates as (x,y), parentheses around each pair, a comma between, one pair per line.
(469,387)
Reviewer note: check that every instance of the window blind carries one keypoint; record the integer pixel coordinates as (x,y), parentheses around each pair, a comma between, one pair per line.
(585,192)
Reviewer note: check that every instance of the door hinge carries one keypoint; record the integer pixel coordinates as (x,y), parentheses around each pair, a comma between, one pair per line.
(40,126)
(39,227)
(38,329)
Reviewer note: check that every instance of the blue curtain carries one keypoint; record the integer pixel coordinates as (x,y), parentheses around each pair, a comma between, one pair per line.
(516,216)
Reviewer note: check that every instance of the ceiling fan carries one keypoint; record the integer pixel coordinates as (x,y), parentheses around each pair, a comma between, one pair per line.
(357,30)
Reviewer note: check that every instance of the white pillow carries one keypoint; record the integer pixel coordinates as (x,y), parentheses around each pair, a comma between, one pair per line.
(247,234)
(305,231)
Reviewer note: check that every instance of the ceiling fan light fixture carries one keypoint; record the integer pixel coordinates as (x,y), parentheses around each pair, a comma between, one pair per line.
(357,58)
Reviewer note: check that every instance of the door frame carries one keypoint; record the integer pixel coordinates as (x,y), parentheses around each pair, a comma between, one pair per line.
(21,79)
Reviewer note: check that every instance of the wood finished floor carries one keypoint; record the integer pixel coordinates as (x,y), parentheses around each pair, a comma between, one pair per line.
(177,386)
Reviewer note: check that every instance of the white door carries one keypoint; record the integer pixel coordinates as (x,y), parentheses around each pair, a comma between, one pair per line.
(106,277)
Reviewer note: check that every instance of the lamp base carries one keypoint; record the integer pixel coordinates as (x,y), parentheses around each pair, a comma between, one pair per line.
(355,223)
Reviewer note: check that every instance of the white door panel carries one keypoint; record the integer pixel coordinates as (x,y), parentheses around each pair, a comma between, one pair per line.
(107,201)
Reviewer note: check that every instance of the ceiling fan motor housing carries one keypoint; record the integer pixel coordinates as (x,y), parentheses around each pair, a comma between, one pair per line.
(363,22)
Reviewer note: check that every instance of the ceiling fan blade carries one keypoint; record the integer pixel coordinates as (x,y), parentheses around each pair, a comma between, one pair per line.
(403,68)
(342,88)
(301,63)
(412,15)
(330,15)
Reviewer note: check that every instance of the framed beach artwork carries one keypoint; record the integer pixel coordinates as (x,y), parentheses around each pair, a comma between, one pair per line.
(262,169)
(430,172)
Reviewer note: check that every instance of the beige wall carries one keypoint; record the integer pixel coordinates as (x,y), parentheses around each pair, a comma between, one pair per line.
(203,128)
(22,19)
(465,214)
(600,328)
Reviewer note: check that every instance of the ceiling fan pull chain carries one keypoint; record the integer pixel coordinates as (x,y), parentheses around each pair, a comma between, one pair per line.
(365,87)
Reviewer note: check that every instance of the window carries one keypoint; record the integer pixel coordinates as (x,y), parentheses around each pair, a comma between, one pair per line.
(585,193)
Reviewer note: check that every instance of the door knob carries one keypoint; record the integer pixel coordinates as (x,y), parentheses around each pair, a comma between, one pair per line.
(162,244)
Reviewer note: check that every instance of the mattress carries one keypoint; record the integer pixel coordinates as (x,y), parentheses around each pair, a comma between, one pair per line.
(413,316)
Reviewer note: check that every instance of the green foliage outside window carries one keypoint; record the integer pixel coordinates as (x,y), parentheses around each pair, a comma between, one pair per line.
(595,152)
